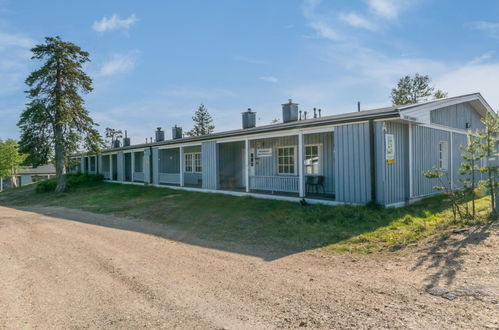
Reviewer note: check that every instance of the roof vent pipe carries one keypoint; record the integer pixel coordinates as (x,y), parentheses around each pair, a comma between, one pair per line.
(176,132)
(126,140)
(289,111)
(116,143)
(300,115)
(305,115)
(319,113)
(315,113)
(249,119)
(160,135)
(358,106)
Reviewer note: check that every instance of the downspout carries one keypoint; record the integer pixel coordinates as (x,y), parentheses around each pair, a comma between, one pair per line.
(150,165)
(372,152)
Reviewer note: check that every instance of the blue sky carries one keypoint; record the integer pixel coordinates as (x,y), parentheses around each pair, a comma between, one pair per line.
(154,62)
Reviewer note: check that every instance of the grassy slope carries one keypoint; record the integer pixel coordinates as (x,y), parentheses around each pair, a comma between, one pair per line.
(250,220)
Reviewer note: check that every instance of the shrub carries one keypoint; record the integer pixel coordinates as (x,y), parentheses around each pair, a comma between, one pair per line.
(46,185)
(72,180)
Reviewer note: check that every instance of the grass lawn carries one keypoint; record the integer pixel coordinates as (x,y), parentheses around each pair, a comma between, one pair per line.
(249,220)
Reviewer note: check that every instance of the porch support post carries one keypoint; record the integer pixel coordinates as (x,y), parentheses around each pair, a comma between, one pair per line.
(1,184)
(301,185)
(181,166)
(246,163)
(411,182)
(111,167)
(132,157)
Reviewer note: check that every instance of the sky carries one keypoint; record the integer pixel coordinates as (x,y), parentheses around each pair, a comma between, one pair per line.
(154,62)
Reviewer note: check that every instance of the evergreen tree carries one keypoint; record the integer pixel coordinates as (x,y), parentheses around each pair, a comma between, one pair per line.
(488,137)
(56,122)
(415,89)
(203,123)
(469,167)
(10,159)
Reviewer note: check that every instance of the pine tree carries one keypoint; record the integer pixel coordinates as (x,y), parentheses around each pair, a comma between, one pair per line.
(203,123)
(469,167)
(10,160)
(487,137)
(56,122)
(415,89)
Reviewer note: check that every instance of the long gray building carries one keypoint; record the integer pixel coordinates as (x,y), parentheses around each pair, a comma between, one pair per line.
(374,155)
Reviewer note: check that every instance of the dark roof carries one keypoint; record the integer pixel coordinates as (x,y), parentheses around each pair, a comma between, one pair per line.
(388,112)
(43,169)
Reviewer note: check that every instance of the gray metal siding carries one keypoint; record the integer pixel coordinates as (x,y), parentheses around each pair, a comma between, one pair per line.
(267,166)
(192,178)
(352,166)
(326,142)
(457,116)
(425,146)
(147,163)
(121,167)
(155,166)
(458,140)
(392,182)
(209,160)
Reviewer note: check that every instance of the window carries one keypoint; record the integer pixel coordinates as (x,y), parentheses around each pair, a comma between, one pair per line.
(443,155)
(312,160)
(286,160)
(188,163)
(197,163)
(193,162)
(139,161)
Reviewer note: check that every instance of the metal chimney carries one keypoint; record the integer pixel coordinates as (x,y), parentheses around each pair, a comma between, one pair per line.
(289,111)
(116,143)
(249,119)
(176,132)
(160,135)
(126,140)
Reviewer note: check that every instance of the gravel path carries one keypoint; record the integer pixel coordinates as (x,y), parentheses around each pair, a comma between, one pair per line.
(63,268)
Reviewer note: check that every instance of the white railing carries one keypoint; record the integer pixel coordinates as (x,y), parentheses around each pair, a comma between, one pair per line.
(173,178)
(274,183)
(138,176)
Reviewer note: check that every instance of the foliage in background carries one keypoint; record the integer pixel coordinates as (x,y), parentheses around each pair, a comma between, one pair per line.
(56,122)
(10,159)
(488,137)
(72,180)
(415,89)
(111,135)
(203,123)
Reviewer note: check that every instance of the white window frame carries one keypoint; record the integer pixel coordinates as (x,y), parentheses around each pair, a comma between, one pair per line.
(191,163)
(195,162)
(319,163)
(443,155)
(295,163)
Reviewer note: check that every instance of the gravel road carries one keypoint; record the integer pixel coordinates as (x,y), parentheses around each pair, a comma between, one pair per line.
(62,268)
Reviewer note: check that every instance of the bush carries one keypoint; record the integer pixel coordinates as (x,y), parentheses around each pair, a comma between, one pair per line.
(72,180)
(46,185)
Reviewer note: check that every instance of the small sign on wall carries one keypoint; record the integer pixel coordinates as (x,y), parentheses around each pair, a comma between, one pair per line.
(389,148)
(264,152)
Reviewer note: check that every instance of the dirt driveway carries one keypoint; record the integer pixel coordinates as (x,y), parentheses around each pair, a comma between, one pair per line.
(63,268)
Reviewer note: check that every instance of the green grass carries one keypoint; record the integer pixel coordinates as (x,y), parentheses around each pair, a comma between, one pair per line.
(249,220)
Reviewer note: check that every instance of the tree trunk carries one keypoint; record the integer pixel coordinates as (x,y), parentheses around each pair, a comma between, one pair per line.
(60,168)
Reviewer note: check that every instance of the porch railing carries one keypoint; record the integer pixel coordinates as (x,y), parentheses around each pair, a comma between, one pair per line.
(173,178)
(274,183)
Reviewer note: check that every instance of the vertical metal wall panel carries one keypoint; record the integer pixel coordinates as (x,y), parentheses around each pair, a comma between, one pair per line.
(326,143)
(392,180)
(82,164)
(458,141)
(155,165)
(121,167)
(352,167)
(457,116)
(425,145)
(267,166)
(147,164)
(209,160)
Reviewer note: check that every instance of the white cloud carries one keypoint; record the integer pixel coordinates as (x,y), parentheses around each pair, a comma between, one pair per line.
(317,22)
(15,40)
(114,23)
(389,9)
(270,79)
(356,20)
(118,64)
(323,30)
(488,27)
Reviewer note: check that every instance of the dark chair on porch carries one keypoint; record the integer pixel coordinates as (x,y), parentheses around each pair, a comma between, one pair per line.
(313,182)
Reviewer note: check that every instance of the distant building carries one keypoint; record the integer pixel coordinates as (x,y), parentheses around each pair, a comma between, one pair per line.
(27,175)
(353,158)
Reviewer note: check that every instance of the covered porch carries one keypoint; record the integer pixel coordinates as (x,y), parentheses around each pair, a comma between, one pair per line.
(180,166)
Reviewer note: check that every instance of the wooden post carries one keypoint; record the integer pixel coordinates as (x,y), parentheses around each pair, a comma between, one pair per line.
(246,163)
(301,185)
(1,184)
